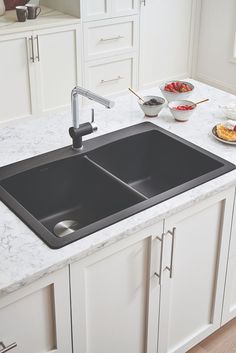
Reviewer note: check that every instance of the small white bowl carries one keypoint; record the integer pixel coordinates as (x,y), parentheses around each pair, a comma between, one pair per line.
(229,110)
(151,111)
(170,96)
(181,115)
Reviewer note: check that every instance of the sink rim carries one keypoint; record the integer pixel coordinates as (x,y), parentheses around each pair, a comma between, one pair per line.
(90,145)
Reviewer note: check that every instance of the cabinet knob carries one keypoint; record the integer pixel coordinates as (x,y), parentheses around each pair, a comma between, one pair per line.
(5,349)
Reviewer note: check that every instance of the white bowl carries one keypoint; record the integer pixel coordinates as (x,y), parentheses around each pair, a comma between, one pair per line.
(152,111)
(229,110)
(170,96)
(181,115)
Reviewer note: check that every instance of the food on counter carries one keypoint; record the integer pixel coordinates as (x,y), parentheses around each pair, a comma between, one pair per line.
(184,107)
(227,131)
(152,101)
(177,87)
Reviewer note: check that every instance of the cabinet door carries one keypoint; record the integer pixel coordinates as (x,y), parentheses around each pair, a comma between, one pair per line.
(115,294)
(192,295)
(96,9)
(15,73)
(37,318)
(57,67)
(125,7)
(229,309)
(165,28)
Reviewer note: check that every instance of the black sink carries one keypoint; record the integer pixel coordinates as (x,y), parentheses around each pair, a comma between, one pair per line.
(66,195)
(153,162)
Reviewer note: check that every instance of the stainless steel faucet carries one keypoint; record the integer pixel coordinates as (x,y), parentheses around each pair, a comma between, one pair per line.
(79,130)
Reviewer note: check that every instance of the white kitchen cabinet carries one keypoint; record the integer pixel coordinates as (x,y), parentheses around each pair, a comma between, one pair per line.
(229,308)
(57,66)
(16,85)
(110,37)
(111,76)
(115,296)
(165,33)
(194,270)
(100,9)
(39,67)
(36,319)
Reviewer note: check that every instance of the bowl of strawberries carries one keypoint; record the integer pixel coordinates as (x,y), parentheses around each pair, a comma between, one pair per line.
(176,90)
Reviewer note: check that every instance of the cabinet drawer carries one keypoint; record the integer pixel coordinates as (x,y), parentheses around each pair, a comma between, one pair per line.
(110,37)
(112,77)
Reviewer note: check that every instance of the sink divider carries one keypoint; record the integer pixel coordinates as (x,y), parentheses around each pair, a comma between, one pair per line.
(118,180)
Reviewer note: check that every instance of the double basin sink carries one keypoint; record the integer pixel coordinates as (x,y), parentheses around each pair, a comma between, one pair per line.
(65,195)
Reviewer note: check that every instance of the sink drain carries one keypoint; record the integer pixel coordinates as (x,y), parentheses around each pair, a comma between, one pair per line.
(66,227)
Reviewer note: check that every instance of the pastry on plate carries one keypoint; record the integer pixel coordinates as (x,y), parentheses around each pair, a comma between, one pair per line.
(226,131)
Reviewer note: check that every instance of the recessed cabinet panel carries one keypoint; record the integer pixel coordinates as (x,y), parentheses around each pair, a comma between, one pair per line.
(15,89)
(110,37)
(37,318)
(30,328)
(125,7)
(115,296)
(96,9)
(229,310)
(110,77)
(165,28)
(57,68)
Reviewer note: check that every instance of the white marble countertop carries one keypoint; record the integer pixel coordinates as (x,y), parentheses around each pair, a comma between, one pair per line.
(47,18)
(24,257)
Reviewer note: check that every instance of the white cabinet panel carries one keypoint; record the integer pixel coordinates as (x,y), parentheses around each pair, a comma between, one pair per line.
(37,318)
(15,86)
(125,7)
(113,76)
(57,67)
(191,301)
(110,37)
(165,28)
(114,293)
(96,9)
(229,308)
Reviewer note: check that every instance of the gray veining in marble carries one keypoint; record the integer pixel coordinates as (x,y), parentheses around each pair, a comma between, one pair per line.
(25,258)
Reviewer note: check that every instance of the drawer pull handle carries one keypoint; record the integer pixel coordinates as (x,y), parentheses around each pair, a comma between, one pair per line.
(112,38)
(111,80)
(5,349)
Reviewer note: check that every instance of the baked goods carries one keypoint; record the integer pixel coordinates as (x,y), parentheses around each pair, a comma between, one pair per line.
(225,133)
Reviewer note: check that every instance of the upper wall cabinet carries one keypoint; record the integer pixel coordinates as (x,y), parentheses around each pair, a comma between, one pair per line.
(101,9)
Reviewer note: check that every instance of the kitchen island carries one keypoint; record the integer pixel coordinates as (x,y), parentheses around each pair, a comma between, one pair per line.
(25,259)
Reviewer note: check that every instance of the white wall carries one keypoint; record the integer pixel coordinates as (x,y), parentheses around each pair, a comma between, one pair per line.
(216,42)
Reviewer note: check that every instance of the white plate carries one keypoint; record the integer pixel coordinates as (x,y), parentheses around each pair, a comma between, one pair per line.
(220,139)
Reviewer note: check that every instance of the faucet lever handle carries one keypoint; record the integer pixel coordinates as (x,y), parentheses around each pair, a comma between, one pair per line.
(93,124)
(93,116)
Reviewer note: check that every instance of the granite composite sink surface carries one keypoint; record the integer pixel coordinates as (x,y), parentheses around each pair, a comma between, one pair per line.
(65,195)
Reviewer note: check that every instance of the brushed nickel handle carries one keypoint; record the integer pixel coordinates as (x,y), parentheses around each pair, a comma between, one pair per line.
(143,2)
(111,38)
(31,40)
(37,41)
(173,234)
(159,275)
(112,80)
(7,348)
